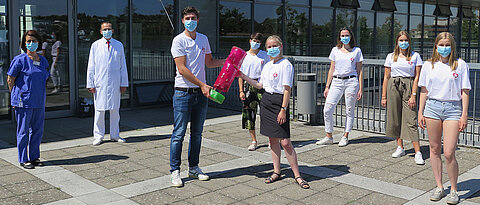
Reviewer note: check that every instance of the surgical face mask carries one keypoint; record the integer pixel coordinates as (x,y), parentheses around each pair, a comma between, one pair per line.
(403,45)
(254,45)
(107,34)
(191,25)
(345,39)
(444,51)
(273,52)
(32,46)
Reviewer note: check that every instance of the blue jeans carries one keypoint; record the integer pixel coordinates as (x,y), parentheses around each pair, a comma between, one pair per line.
(187,107)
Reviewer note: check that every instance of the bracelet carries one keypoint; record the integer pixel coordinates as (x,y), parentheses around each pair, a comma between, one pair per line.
(241,91)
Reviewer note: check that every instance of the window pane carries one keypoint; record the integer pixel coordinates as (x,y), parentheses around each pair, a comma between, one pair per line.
(345,18)
(366,5)
(90,15)
(416,33)
(322,39)
(271,1)
(235,25)
(298,2)
(429,35)
(384,35)
(365,33)
(401,22)
(402,6)
(4,64)
(416,8)
(268,19)
(152,37)
(429,9)
(297,31)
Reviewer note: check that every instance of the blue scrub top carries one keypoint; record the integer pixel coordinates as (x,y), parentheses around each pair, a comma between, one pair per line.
(29,90)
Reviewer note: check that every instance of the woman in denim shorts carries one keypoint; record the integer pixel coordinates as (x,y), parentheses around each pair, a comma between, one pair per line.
(445,84)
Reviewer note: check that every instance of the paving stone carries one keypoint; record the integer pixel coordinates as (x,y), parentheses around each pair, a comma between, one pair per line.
(240,191)
(293,191)
(5,193)
(80,149)
(324,198)
(418,183)
(16,178)
(143,174)
(402,169)
(156,197)
(15,200)
(189,190)
(217,183)
(28,187)
(221,157)
(474,198)
(9,169)
(113,181)
(380,199)
(267,198)
(211,198)
(374,163)
(386,176)
(45,196)
(54,154)
(260,184)
(95,173)
(348,192)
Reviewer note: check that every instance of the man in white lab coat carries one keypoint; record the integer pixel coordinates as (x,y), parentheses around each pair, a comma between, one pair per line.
(107,78)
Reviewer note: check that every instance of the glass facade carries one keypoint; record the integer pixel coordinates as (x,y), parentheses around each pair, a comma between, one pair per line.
(147,27)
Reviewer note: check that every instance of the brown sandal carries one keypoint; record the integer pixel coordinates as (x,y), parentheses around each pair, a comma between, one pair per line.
(271,179)
(303,183)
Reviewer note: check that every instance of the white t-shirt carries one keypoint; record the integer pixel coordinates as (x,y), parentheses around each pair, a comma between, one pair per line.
(44,47)
(346,63)
(56,45)
(444,84)
(195,51)
(403,68)
(276,75)
(253,64)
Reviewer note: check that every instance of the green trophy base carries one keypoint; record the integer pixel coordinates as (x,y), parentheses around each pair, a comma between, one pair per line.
(216,96)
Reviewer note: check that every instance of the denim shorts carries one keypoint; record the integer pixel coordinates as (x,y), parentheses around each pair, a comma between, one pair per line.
(443,110)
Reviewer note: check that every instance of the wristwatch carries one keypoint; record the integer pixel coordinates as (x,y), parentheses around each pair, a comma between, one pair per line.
(284,108)
(414,94)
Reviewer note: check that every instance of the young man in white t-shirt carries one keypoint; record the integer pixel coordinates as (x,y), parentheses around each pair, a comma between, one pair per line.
(191,52)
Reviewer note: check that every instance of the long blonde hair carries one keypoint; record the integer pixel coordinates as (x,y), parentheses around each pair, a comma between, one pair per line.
(452,59)
(396,51)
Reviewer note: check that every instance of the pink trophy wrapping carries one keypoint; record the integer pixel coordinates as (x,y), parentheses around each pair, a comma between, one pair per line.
(230,69)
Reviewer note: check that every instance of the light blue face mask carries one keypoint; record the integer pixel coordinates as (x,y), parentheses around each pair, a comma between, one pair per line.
(273,52)
(31,46)
(107,34)
(403,45)
(444,51)
(254,45)
(345,39)
(191,25)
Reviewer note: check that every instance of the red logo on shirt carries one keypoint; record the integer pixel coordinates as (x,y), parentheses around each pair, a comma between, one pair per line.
(262,62)
(351,59)
(410,63)
(275,75)
(455,75)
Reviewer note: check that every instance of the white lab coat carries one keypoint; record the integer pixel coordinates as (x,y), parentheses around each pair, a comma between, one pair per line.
(107,72)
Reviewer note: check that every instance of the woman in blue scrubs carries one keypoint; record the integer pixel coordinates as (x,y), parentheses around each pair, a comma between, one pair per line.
(27,77)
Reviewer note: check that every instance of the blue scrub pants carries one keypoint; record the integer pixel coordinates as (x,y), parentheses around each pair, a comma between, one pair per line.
(30,123)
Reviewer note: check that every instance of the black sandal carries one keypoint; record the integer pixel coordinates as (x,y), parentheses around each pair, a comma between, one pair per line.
(271,179)
(303,183)
(28,165)
(37,162)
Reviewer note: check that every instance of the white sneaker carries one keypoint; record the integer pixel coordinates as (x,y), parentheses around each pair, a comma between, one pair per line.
(343,142)
(438,194)
(325,141)
(252,146)
(419,158)
(97,141)
(118,139)
(175,179)
(399,152)
(196,172)
(54,91)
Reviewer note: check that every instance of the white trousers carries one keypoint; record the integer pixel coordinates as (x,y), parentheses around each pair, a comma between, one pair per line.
(349,87)
(55,73)
(99,124)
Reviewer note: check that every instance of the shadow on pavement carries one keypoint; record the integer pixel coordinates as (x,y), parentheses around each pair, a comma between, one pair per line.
(143,138)
(370,140)
(85,160)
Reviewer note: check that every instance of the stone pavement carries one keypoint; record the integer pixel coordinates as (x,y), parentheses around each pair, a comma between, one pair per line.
(137,172)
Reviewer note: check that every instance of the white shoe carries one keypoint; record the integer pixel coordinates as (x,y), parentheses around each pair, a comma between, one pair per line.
(97,141)
(175,179)
(343,142)
(399,152)
(118,139)
(419,158)
(252,146)
(325,141)
(54,91)
(196,172)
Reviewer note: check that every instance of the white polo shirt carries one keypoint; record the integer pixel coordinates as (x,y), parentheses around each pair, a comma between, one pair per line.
(444,84)
(276,75)
(253,64)
(346,63)
(403,68)
(44,47)
(195,51)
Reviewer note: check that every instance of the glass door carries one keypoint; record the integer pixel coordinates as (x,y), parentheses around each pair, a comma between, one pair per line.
(51,20)
(4,101)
